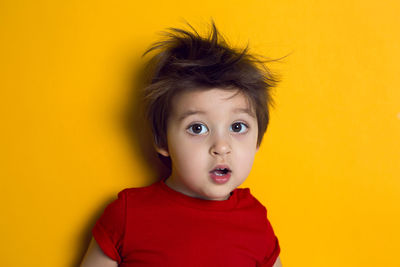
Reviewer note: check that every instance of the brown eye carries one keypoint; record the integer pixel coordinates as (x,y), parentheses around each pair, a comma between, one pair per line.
(197,128)
(239,127)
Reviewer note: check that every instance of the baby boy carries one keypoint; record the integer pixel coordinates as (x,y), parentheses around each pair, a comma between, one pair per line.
(207,106)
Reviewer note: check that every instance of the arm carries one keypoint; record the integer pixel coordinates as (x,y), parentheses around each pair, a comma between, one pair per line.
(278,262)
(96,258)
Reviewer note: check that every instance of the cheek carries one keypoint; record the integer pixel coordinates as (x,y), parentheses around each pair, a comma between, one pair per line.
(186,154)
(245,156)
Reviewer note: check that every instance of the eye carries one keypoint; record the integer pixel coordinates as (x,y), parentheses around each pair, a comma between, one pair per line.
(239,127)
(197,129)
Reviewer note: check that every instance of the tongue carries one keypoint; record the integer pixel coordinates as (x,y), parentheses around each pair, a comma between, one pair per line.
(219,171)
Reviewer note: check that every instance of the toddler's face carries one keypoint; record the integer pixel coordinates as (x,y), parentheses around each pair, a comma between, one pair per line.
(209,131)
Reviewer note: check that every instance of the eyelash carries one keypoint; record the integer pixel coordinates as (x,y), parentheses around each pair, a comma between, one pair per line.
(241,123)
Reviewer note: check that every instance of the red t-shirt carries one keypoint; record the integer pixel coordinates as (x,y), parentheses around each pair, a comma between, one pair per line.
(158,226)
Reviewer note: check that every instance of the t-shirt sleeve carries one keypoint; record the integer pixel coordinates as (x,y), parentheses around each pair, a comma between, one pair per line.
(109,229)
(274,248)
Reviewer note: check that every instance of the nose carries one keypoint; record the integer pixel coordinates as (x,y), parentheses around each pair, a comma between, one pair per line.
(220,146)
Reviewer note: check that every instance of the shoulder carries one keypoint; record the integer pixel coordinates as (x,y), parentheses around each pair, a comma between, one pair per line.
(137,192)
(128,201)
(257,214)
(251,207)
(247,200)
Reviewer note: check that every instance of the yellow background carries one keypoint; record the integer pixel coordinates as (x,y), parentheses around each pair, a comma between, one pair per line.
(329,167)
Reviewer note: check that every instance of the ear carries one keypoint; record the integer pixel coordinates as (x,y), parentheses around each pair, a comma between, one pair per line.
(162,151)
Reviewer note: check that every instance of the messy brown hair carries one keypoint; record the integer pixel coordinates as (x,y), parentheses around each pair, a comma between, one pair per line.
(187,61)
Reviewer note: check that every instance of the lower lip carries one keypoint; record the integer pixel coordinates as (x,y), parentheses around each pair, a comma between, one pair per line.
(220,179)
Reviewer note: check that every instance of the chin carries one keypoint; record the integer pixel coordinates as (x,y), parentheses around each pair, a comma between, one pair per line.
(219,197)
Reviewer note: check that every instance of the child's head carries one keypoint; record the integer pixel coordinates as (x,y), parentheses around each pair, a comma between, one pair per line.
(208,107)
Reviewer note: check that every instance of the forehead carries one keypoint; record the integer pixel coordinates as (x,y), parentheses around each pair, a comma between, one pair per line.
(212,101)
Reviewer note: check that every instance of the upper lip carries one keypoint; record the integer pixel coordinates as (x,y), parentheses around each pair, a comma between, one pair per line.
(221,166)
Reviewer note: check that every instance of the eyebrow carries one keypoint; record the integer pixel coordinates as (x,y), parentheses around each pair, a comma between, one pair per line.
(193,112)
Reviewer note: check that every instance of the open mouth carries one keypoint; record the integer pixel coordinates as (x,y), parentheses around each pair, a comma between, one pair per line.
(221,172)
